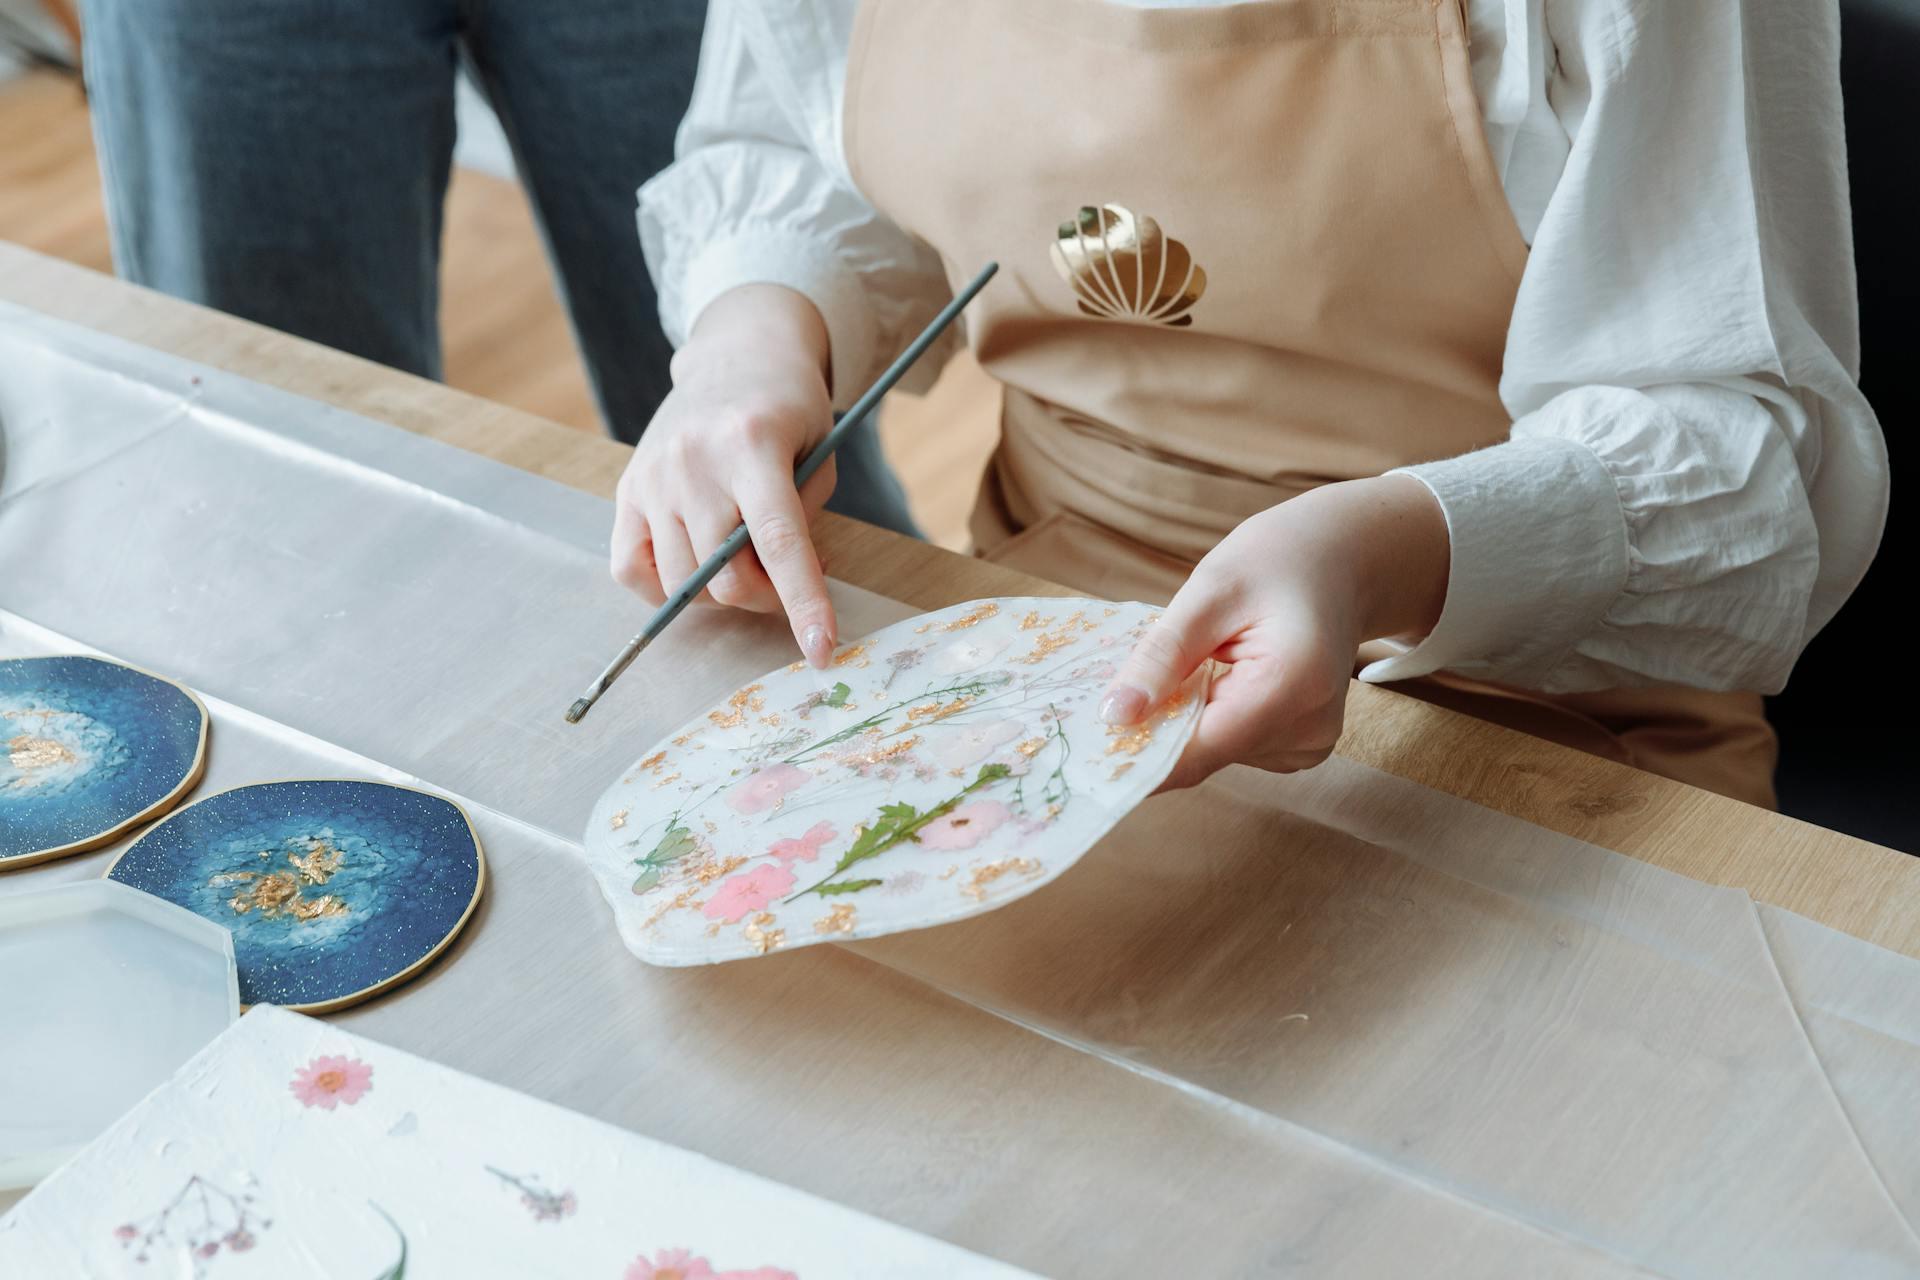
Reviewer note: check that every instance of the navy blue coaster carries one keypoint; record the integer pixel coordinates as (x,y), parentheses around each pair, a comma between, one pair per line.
(89,749)
(333,890)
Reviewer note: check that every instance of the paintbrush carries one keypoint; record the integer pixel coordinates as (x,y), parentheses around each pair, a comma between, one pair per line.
(739,538)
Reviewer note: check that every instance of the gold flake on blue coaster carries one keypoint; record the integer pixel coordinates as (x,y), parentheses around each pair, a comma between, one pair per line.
(333,889)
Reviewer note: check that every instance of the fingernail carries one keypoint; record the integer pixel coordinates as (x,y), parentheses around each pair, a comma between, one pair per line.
(1123,704)
(815,645)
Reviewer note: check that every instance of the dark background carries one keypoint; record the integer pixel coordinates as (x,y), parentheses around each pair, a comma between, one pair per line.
(1850,718)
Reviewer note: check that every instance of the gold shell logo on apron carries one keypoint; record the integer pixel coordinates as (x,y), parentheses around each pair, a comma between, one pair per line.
(1121,266)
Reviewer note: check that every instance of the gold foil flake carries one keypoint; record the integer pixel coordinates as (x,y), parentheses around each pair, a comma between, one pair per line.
(1108,613)
(713,930)
(1123,739)
(618,820)
(709,826)
(771,719)
(1033,622)
(979,613)
(29,754)
(653,762)
(686,737)
(743,703)
(948,873)
(1119,770)
(852,654)
(661,782)
(278,893)
(759,932)
(930,712)
(711,869)
(880,755)
(838,920)
(320,908)
(1045,644)
(976,886)
(687,897)
(318,864)
(1031,747)
(794,668)
(269,894)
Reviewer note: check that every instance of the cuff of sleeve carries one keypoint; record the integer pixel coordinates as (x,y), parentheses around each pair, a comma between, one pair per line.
(1539,555)
(770,255)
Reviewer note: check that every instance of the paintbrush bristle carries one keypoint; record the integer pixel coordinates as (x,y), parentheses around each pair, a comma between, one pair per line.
(579,708)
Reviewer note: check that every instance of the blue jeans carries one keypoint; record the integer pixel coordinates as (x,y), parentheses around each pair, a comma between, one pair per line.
(287,161)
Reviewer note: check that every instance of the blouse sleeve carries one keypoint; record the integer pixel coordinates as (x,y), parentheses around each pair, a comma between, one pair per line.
(759,193)
(1693,483)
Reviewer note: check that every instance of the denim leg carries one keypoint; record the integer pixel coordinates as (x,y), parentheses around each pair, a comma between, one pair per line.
(285,160)
(591,93)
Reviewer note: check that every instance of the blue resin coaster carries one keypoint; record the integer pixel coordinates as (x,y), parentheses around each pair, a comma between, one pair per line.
(88,749)
(333,890)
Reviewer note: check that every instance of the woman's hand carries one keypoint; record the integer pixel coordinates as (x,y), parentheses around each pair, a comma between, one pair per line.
(1284,601)
(749,400)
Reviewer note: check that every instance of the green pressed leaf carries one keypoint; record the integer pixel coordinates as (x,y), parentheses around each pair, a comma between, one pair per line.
(846,886)
(676,844)
(838,697)
(648,878)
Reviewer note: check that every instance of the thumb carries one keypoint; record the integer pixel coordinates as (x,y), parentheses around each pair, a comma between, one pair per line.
(1184,637)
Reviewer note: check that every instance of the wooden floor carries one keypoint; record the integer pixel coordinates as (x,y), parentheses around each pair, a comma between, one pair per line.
(504,333)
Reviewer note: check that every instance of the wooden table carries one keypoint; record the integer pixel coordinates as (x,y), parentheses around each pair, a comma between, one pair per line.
(1861,888)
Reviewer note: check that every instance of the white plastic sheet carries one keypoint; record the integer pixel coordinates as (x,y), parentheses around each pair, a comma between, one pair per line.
(1335,1024)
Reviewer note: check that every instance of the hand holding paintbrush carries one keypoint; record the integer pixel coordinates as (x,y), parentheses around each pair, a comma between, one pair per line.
(736,541)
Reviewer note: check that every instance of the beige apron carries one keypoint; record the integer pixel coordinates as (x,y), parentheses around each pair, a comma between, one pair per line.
(1245,250)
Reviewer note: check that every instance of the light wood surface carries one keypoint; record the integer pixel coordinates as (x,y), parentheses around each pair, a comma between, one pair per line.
(1864,889)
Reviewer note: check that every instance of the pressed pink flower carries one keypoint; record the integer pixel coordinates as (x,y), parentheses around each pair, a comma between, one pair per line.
(966,826)
(240,1240)
(208,1249)
(670,1264)
(742,895)
(962,745)
(125,1231)
(328,1081)
(804,848)
(765,788)
(758,1273)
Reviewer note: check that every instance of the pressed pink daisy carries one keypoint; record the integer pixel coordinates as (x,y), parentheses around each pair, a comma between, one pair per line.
(966,826)
(742,895)
(670,1264)
(330,1080)
(765,788)
(803,848)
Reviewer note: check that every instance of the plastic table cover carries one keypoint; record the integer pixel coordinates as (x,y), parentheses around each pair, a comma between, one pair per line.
(1328,1024)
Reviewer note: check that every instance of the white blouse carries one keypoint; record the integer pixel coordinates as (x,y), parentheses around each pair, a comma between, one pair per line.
(1693,483)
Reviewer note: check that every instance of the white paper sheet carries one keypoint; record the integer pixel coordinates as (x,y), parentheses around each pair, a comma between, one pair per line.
(291,1150)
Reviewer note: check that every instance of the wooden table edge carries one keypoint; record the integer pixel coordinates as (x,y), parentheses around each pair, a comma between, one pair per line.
(1849,884)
